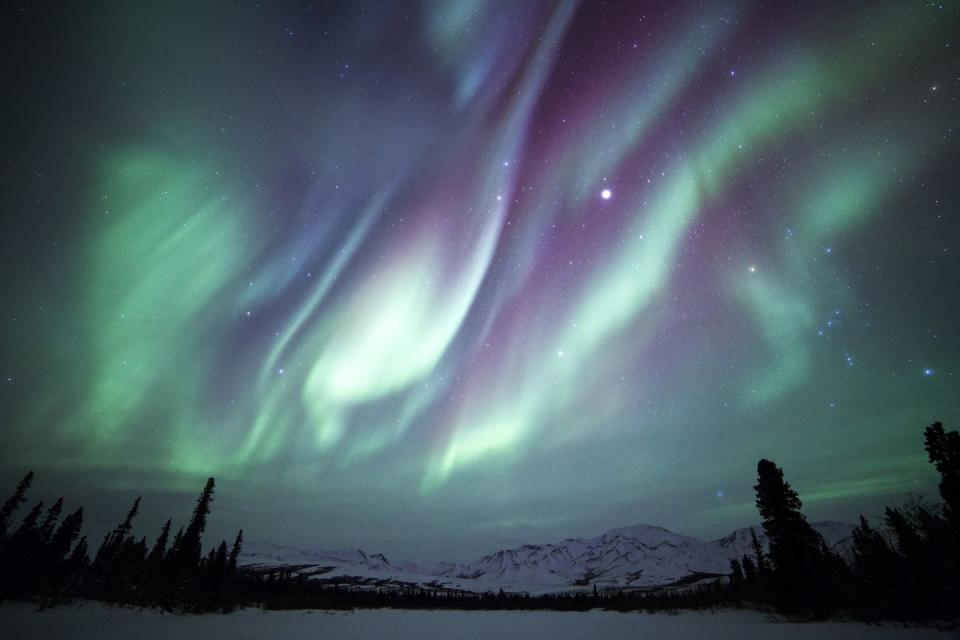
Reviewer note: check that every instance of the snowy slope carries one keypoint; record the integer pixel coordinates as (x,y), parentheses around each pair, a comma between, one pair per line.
(640,556)
(631,556)
(258,553)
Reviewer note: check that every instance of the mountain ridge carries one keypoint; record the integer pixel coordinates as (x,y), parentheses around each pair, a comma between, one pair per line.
(634,557)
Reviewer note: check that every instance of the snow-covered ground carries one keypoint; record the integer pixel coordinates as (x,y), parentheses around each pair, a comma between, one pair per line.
(89,621)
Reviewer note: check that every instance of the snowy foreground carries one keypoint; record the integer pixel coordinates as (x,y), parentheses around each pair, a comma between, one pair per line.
(96,621)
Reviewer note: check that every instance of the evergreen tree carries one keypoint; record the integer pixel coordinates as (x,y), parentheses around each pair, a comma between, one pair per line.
(943,448)
(73,570)
(19,577)
(174,549)
(50,521)
(123,530)
(910,544)
(736,572)
(62,540)
(235,552)
(189,548)
(110,573)
(762,566)
(79,556)
(156,572)
(220,558)
(802,575)
(159,547)
(113,543)
(793,542)
(866,547)
(55,571)
(208,562)
(187,567)
(13,503)
(28,528)
(749,570)
(873,567)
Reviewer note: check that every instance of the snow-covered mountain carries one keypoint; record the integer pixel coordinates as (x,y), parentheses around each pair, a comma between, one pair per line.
(641,556)
(259,554)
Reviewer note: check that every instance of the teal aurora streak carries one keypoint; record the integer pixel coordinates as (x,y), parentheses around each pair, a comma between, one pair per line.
(361,253)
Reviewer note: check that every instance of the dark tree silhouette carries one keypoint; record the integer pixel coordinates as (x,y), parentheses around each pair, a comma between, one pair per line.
(791,538)
(801,571)
(110,572)
(736,572)
(22,550)
(189,549)
(63,539)
(749,570)
(50,521)
(943,448)
(79,558)
(13,503)
(28,528)
(762,566)
(159,549)
(235,552)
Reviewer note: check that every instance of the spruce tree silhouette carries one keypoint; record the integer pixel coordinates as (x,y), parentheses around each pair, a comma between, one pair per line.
(736,572)
(874,566)
(235,552)
(50,520)
(749,572)
(943,448)
(186,552)
(762,566)
(159,547)
(108,576)
(13,503)
(189,550)
(22,550)
(57,571)
(79,558)
(801,578)
(66,533)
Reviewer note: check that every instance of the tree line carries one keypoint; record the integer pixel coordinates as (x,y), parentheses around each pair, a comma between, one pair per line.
(42,560)
(907,568)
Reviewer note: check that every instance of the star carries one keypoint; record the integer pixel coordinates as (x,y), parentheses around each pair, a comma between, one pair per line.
(928,372)
(606,194)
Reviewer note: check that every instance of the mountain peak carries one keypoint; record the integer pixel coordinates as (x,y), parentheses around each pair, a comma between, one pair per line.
(637,556)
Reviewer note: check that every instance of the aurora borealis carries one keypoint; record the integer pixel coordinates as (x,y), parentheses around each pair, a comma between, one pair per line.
(434,277)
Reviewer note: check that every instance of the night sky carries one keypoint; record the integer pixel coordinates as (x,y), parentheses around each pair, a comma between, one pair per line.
(433,278)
